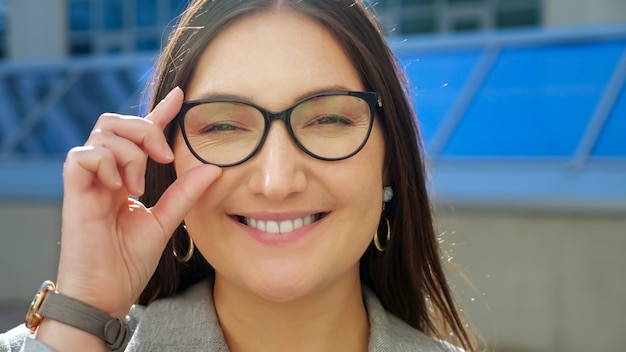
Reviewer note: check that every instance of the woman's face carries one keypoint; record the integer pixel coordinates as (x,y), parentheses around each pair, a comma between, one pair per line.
(274,59)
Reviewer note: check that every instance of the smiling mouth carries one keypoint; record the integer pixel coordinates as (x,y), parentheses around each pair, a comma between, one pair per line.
(284,226)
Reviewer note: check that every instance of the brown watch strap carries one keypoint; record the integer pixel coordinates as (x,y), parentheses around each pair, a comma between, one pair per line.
(70,311)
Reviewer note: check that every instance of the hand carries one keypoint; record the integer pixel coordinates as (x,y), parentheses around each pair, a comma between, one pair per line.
(110,243)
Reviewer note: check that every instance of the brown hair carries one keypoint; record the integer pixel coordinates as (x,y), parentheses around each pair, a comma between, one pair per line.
(408,277)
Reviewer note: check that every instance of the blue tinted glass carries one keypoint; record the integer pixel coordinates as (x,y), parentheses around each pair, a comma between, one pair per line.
(113,48)
(113,15)
(612,140)
(177,6)
(147,44)
(436,79)
(146,13)
(536,101)
(79,16)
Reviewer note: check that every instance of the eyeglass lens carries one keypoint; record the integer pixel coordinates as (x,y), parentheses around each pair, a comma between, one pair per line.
(328,127)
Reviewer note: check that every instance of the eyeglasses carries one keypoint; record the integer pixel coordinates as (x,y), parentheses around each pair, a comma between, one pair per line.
(327,126)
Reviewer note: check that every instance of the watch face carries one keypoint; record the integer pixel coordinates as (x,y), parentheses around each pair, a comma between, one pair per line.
(33,319)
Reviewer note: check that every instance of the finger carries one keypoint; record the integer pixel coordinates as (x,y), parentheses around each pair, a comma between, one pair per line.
(130,159)
(182,195)
(167,109)
(145,134)
(84,165)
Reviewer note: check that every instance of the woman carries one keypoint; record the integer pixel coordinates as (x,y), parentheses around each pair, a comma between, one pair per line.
(311,233)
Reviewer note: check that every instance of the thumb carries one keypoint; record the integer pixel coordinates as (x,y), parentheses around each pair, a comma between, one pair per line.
(181,195)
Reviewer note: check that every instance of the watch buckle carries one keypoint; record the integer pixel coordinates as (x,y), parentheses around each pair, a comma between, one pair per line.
(33,318)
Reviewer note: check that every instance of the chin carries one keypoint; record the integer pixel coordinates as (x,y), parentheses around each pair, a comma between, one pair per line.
(281,286)
(282,281)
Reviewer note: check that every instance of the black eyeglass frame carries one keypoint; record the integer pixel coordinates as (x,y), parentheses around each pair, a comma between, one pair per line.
(371,98)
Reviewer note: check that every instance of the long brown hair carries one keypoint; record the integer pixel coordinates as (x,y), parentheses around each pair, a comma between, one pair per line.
(408,277)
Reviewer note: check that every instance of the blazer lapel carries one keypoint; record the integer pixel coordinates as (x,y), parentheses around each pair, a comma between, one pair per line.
(184,322)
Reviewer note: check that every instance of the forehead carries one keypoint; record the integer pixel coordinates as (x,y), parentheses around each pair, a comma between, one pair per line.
(273,59)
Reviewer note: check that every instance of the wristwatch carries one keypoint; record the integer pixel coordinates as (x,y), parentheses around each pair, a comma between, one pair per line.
(48,303)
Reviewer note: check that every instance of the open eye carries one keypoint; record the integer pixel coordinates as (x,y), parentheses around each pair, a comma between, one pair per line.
(330,120)
(219,127)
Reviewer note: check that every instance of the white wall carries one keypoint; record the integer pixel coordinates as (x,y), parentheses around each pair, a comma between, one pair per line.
(30,235)
(581,12)
(544,281)
(29,249)
(37,29)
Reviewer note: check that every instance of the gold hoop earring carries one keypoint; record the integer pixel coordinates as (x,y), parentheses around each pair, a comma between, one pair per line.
(189,254)
(377,242)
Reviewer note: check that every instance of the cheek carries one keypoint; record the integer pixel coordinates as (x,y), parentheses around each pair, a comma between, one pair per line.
(209,212)
(183,159)
(361,185)
(204,224)
(374,164)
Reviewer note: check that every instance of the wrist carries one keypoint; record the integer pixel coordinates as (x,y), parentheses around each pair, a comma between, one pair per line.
(63,337)
(102,300)
(49,304)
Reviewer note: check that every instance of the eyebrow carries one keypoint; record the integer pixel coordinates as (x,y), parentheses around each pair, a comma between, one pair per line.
(249,99)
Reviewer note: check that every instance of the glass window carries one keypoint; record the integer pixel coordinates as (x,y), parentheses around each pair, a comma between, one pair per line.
(177,6)
(80,48)
(90,20)
(417,2)
(537,101)
(610,142)
(454,2)
(437,79)
(418,25)
(456,15)
(147,44)
(466,24)
(146,13)
(113,48)
(79,15)
(378,5)
(113,14)
(517,18)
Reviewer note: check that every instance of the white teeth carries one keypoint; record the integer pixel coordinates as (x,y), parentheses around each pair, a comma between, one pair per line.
(272,227)
(284,226)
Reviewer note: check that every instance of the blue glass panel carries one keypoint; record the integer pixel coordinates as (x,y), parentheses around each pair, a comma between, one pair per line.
(79,15)
(536,101)
(113,15)
(147,44)
(146,13)
(177,6)
(436,80)
(612,140)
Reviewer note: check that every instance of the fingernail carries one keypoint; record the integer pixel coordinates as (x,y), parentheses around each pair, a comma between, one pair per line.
(168,152)
(117,180)
(170,93)
(140,189)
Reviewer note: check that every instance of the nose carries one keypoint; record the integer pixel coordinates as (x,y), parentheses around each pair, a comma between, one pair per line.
(278,168)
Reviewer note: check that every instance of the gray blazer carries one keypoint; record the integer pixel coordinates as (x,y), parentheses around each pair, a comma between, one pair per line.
(165,325)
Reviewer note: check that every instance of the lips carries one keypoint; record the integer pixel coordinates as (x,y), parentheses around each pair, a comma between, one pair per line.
(282,226)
